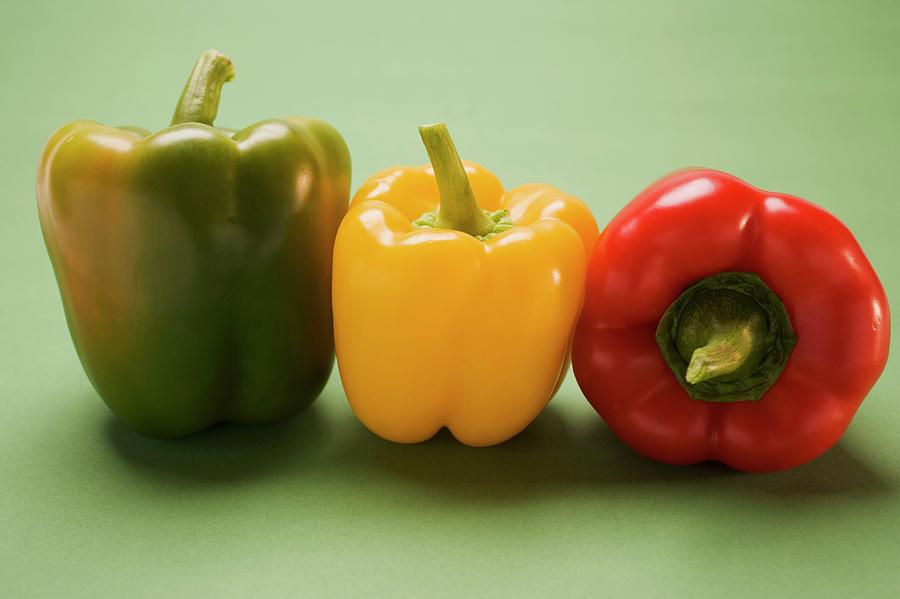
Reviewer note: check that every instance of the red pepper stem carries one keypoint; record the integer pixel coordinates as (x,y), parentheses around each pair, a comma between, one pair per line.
(725,353)
(726,338)
(459,209)
(199,102)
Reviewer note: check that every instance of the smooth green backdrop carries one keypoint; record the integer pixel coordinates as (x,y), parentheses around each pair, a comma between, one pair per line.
(597,98)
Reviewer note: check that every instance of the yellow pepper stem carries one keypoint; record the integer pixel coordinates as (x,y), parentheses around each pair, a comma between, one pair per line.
(199,101)
(458,210)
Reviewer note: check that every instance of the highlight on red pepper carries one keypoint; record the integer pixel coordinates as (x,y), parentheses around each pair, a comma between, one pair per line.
(724,322)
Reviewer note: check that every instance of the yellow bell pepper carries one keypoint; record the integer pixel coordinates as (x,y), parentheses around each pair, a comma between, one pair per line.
(459,317)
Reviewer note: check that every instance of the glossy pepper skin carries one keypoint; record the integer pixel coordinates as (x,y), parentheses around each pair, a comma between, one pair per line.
(697,223)
(435,327)
(194,263)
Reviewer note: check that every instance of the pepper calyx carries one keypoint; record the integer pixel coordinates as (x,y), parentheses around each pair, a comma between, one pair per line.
(500,219)
(726,338)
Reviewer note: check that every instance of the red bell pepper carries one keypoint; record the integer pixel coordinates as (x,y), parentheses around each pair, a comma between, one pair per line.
(725,322)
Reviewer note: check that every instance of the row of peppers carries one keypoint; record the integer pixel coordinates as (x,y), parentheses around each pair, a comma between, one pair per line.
(210,275)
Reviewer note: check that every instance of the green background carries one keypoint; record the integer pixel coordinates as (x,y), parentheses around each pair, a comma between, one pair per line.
(599,99)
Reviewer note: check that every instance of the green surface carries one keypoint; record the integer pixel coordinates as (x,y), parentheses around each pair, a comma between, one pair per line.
(599,100)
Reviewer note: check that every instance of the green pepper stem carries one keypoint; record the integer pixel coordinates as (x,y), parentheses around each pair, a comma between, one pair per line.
(459,209)
(199,102)
(725,353)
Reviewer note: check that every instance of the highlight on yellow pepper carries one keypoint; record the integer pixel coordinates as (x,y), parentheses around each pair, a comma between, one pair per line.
(454,302)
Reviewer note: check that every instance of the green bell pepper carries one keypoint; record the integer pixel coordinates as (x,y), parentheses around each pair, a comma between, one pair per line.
(194,264)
